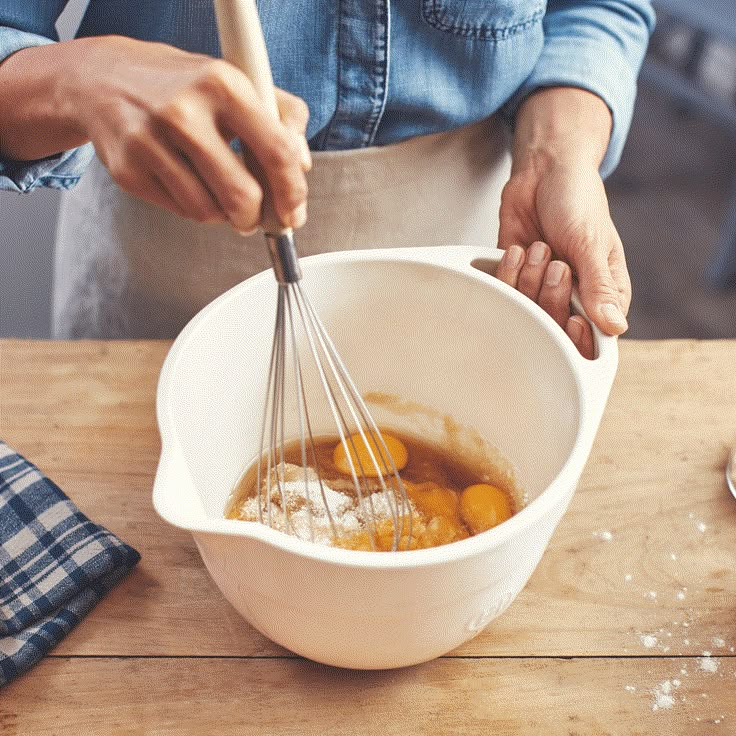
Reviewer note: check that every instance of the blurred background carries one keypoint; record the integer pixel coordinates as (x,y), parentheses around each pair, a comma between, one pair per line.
(673,197)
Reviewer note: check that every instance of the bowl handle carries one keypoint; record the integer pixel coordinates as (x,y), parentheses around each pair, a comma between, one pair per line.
(597,374)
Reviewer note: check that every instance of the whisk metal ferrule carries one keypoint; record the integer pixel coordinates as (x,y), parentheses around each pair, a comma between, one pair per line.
(284,257)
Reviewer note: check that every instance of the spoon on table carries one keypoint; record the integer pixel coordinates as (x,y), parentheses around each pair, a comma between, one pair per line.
(731,472)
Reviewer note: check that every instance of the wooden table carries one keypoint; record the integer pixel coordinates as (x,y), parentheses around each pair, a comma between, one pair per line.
(638,583)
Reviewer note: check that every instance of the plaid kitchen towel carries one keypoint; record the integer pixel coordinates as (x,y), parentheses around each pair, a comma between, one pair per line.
(55,564)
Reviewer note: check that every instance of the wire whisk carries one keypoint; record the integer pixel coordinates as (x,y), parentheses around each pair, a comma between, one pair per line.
(378,489)
(243,45)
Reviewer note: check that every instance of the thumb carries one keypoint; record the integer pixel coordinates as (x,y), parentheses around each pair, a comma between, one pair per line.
(599,292)
(294,115)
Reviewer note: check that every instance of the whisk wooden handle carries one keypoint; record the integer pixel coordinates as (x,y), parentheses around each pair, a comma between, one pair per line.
(243,45)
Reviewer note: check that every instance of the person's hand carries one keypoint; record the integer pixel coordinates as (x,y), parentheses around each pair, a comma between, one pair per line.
(556,229)
(161,120)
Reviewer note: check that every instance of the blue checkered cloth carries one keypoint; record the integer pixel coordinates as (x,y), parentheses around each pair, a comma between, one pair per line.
(55,564)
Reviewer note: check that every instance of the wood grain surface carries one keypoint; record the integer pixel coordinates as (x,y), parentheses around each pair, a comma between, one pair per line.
(294,697)
(638,582)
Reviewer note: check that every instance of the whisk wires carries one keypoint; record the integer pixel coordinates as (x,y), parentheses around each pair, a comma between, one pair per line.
(297,318)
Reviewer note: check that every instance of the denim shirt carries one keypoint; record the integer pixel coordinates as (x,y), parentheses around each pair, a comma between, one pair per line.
(375,72)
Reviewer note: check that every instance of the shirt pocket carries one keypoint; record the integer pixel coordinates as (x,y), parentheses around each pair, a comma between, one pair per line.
(488,20)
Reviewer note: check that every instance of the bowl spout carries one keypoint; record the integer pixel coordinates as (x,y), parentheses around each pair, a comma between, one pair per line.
(174,496)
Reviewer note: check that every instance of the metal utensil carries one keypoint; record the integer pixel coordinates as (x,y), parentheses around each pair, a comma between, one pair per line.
(731,472)
(243,45)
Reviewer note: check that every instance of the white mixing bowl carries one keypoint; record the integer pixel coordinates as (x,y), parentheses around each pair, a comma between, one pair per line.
(428,326)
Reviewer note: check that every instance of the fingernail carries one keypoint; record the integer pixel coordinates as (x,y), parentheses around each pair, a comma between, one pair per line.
(306,154)
(514,254)
(554,274)
(299,215)
(535,254)
(248,233)
(611,313)
(574,330)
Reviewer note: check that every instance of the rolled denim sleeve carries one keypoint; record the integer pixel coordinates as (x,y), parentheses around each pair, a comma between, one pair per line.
(62,170)
(597,45)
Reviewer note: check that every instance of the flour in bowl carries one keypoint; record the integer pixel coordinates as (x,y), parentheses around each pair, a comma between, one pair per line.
(301,508)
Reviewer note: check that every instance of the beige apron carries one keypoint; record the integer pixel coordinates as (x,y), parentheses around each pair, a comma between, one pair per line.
(125,268)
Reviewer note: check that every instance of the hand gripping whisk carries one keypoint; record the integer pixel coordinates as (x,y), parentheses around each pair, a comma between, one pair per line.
(297,322)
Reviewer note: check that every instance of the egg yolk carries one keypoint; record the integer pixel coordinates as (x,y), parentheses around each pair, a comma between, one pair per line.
(433,500)
(483,506)
(361,458)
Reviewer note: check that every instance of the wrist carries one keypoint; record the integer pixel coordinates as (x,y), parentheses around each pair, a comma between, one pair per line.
(561,126)
(42,112)
(85,85)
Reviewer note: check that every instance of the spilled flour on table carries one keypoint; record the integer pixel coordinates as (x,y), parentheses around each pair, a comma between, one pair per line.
(707,663)
(685,687)
(701,526)
(604,535)
(663,697)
